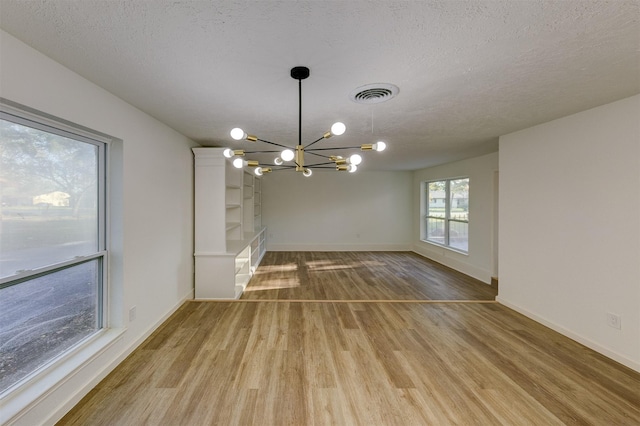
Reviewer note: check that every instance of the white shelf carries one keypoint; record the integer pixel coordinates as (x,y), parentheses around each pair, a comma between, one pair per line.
(237,245)
(232,225)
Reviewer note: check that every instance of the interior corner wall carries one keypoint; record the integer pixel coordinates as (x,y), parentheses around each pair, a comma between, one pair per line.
(154,258)
(478,263)
(570,226)
(336,211)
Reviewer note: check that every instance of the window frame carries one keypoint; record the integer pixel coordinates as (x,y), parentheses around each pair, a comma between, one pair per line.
(447,219)
(25,116)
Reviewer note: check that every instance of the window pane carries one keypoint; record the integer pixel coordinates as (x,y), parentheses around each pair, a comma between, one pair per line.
(42,317)
(459,190)
(459,235)
(49,198)
(435,230)
(437,196)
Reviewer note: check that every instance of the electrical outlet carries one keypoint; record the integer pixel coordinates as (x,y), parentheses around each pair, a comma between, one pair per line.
(614,320)
(132,313)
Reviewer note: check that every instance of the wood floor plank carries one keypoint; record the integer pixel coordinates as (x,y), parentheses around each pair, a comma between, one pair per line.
(174,374)
(328,407)
(292,391)
(366,399)
(332,327)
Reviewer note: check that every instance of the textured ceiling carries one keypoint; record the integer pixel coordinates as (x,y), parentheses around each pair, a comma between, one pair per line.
(468,71)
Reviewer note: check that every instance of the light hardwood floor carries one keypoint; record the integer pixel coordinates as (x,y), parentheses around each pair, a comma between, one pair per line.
(403,362)
(361,276)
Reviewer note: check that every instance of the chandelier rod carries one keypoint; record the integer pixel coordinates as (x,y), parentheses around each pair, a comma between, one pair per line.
(299,112)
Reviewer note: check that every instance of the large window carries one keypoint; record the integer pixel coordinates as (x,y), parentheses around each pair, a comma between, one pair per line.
(447,213)
(52,242)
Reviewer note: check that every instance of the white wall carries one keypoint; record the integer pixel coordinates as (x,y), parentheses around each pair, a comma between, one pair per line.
(478,263)
(570,226)
(152,254)
(336,211)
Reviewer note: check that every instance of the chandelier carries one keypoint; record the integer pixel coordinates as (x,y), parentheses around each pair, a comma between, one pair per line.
(293,158)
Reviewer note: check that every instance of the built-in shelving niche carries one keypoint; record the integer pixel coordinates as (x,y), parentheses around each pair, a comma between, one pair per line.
(230,241)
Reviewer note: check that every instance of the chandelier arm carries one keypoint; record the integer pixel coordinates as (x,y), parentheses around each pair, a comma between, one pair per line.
(316,141)
(320,164)
(262,152)
(282,166)
(319,155)
(320,167)
(333,149)
(273,143)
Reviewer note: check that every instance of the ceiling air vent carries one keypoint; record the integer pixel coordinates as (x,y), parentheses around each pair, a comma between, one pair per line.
(374,93)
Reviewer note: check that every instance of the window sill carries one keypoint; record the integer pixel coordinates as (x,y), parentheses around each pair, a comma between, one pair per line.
(464,253)
(18,398)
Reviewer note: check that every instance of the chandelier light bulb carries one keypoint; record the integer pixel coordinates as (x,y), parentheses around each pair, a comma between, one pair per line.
(287,155)
(228,153)
(238,134)
(352,168)
(355,159)
(338,128)
(379,146)
(307,172)
(278,161)
(238,163)
(258,171)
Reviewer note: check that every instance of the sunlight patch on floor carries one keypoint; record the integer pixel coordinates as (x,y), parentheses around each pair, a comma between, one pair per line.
(275,284)
(329,265)
(265,269)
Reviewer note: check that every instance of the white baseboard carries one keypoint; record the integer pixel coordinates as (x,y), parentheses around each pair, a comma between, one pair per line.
(574,336)
(338,247)
(61,409)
